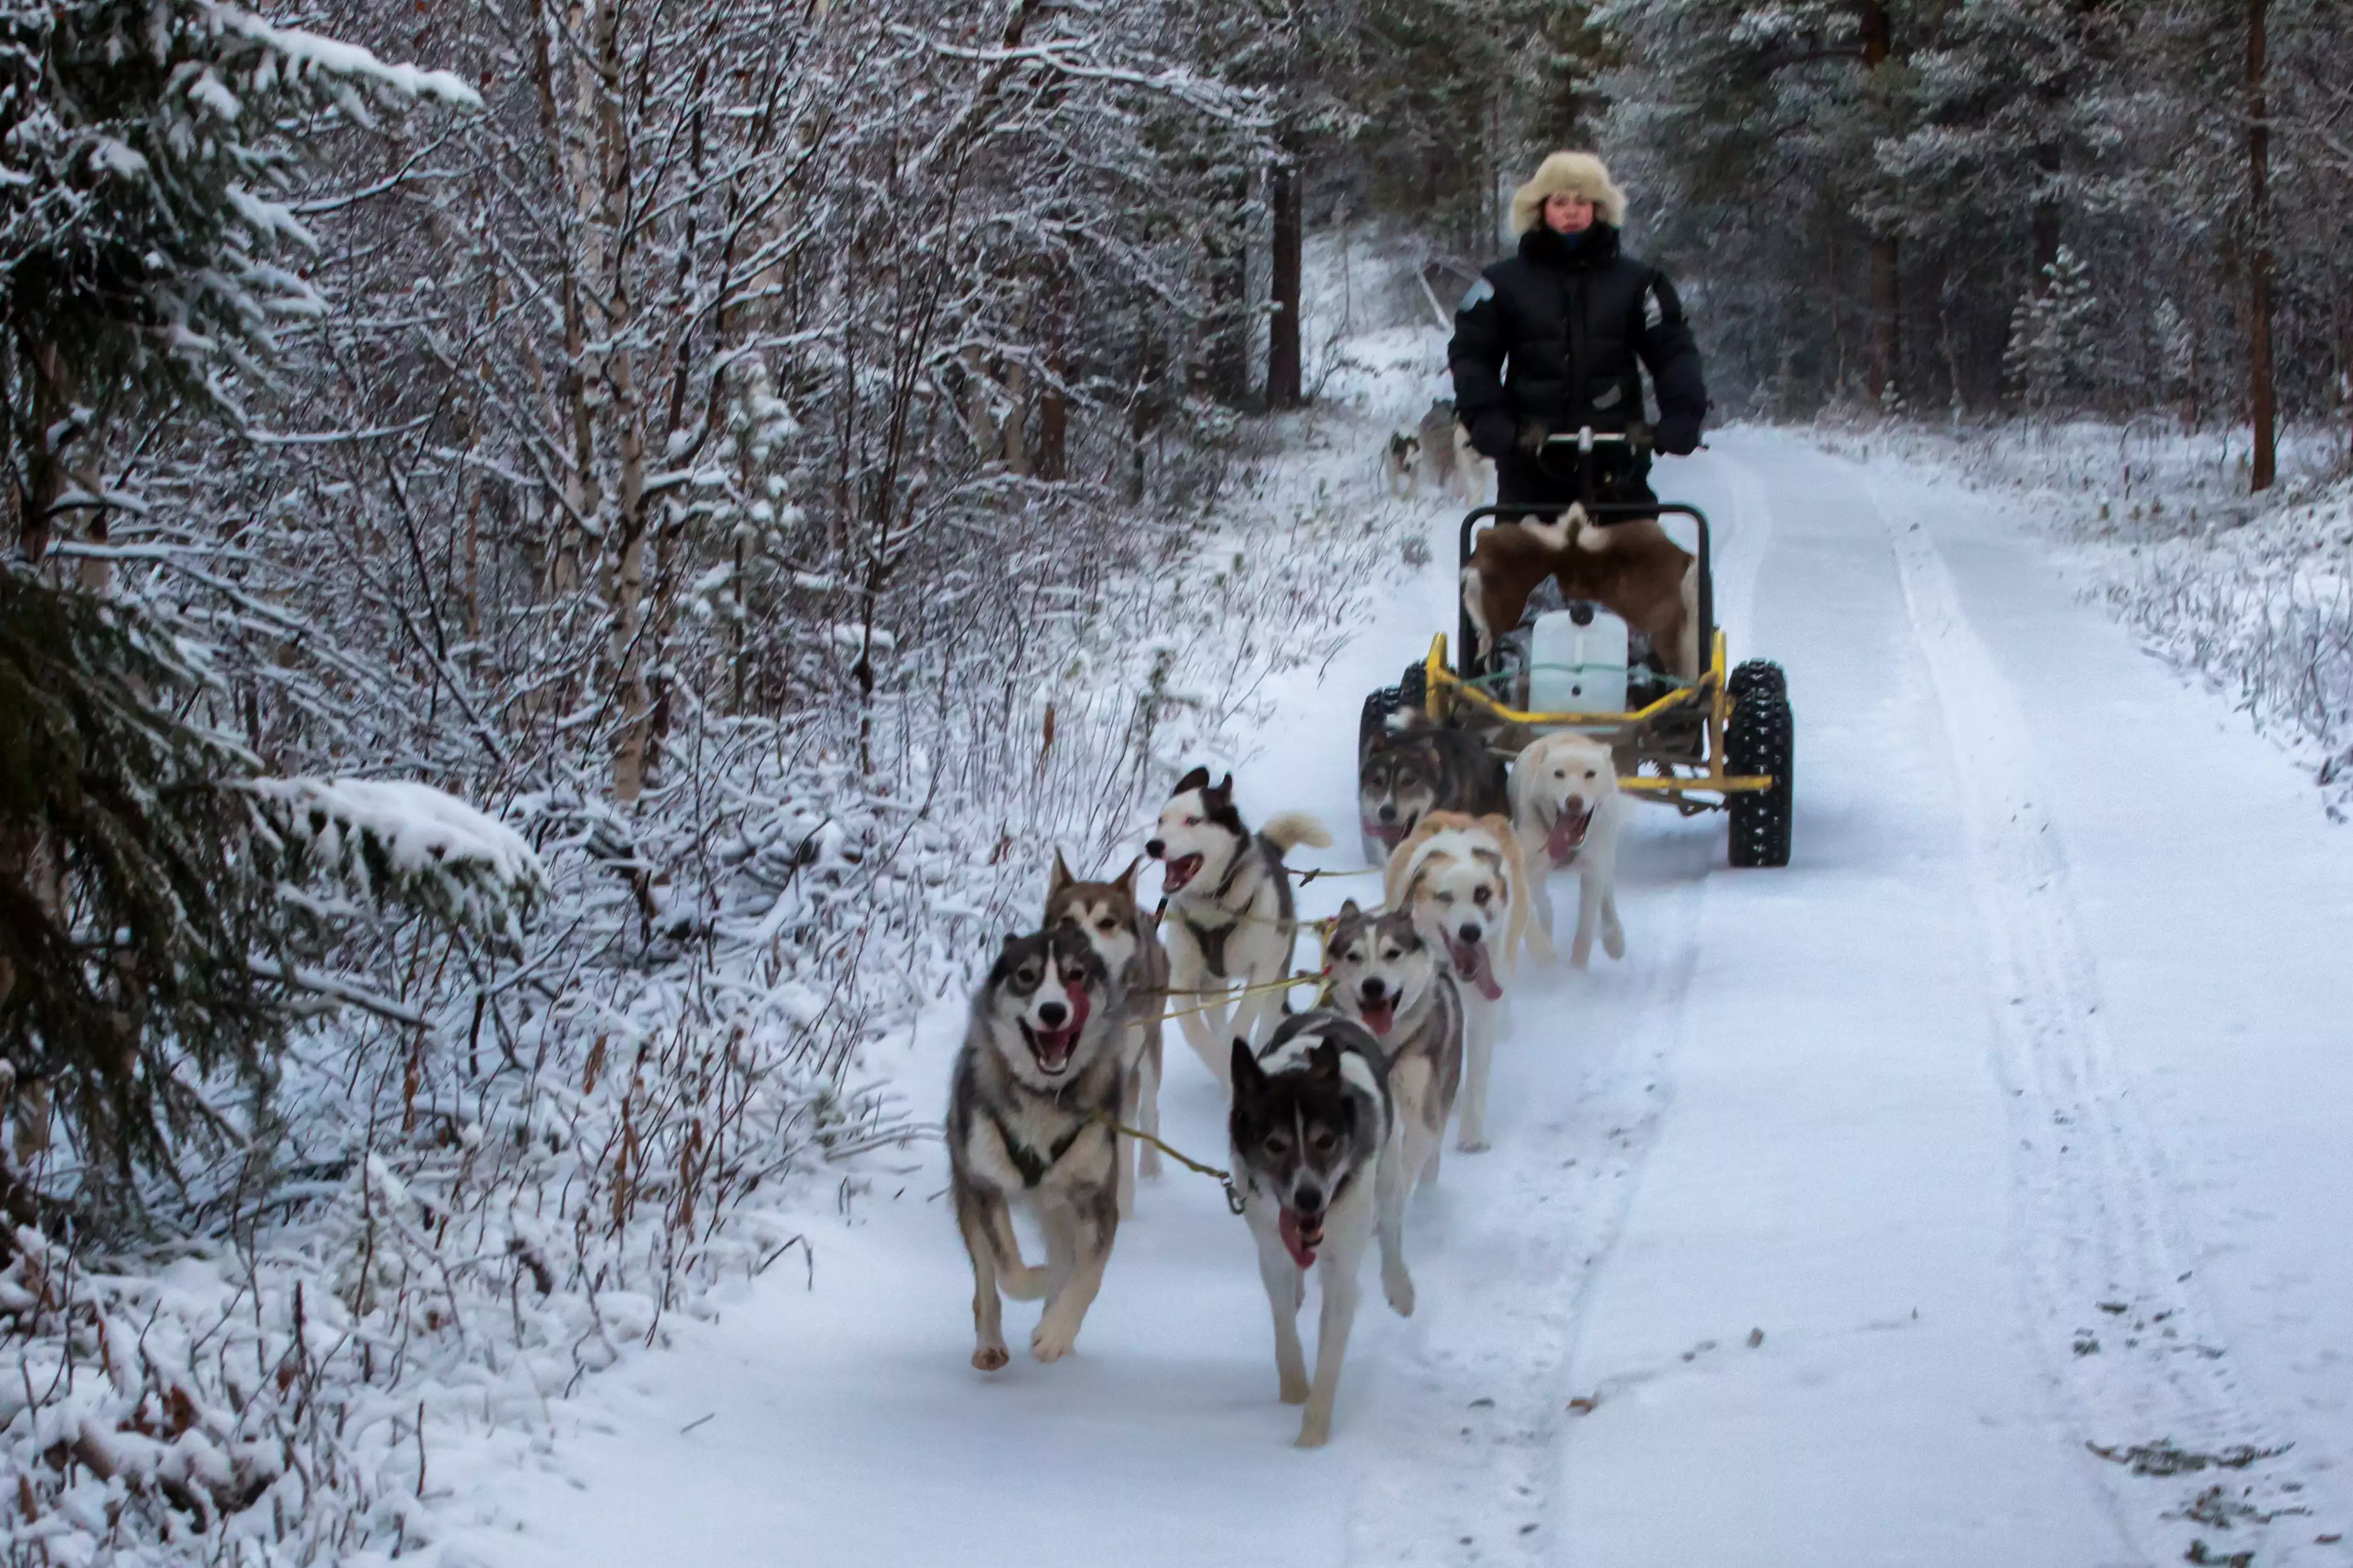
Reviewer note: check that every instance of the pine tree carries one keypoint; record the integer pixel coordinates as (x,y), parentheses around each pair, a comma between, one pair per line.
(146,148)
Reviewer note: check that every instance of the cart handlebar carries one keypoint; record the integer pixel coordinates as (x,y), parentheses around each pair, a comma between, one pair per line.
(1586,437)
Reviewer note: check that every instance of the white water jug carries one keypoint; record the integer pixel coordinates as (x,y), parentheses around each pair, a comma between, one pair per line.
(1576,662)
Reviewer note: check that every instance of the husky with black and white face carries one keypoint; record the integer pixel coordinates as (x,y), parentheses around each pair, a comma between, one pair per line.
(1035,1093)
(1121,932)
(1567,810)
(1317,1155)
(1229,920)
(1386,975)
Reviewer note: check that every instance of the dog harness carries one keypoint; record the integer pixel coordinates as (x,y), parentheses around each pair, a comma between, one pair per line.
(1211,940)
(1028,1161)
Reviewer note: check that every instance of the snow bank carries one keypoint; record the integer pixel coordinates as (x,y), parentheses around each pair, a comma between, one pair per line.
(2251,595)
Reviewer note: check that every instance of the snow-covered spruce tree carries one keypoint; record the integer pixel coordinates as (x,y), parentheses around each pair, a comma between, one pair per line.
(132,894)
(2054,336)
(145,149)
(146,146)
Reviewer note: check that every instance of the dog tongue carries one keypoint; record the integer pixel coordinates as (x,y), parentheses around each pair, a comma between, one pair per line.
(1470,963)
(1295,1244)
(1177,872)
(1567,837)
(1388,833)
(1380,1016)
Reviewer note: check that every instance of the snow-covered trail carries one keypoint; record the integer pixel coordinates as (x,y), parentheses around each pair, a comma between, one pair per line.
(2040,1043)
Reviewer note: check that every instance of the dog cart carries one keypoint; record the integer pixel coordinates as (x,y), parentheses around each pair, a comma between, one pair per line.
(1718,741)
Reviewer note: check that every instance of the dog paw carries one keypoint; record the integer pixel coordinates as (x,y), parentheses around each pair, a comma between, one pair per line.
(990,1358)
(1398,1289)
(1294,1390)
(1614,944)
(1148,1164)
(1051,1344)
(1314,1432)
(1470,1145)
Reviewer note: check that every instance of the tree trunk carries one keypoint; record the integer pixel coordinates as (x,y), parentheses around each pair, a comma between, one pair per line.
(2259,259)
(626,549)
(1886,321)
(1886,299)
(1017,397)
(45,466)
(1054,404)
(1226,372)
(2045,220)
(1282,375)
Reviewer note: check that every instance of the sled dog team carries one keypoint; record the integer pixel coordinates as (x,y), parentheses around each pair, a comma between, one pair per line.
(1336,1114)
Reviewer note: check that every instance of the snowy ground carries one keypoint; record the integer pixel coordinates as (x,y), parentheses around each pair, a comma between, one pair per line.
(2009,1113)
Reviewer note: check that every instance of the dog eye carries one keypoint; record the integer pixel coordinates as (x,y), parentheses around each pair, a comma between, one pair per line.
(1107,924)
(1278,1145)
(1445,897)
(1481,895)
(1192,822)
(1322,1142)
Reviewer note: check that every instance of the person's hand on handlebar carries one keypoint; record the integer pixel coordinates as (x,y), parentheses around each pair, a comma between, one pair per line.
(1491,434)
(1679,434)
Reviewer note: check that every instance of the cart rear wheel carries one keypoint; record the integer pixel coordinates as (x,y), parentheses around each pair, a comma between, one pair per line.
(1762,739)
(1413,689)
(1375,722)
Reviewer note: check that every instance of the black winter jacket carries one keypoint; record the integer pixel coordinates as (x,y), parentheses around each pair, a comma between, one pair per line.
(1571,321)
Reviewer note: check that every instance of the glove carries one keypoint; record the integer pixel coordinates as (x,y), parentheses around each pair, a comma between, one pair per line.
(1677,435)
(1491,434)
(1532,436)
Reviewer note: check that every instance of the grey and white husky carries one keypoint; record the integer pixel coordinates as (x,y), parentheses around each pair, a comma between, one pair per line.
(1229,919)
(1414,769)
(1386,975)
(1037,1084)
(1316,1154)
(1116,926)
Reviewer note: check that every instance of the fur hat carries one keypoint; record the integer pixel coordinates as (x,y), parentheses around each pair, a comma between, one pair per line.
(1578,174)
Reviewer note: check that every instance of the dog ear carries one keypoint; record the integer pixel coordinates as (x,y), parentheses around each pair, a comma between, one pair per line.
(1220,793)
(1125,880)
(1247,1074)
(1196,778)
(1349,911)
(1326,1057)
(1060,878)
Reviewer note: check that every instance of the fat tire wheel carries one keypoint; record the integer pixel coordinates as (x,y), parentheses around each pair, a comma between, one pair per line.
(1375,722)
(1761,738)
(1413,689)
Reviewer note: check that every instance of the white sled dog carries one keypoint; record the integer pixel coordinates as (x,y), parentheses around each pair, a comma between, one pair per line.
(1461,878)
(1567,809)
(1035,1083)
(1387,976)
(1121,932)
(1318,1155)
(1230,917)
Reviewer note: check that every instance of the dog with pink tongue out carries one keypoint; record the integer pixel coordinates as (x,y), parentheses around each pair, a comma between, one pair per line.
(1385,975)
(1463,880)
(1319,1159)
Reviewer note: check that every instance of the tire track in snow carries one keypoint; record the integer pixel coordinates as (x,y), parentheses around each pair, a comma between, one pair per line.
(2117,1314)
(1470,1411)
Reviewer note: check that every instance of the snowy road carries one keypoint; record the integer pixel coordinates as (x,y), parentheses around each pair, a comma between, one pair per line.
(2011,1113)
